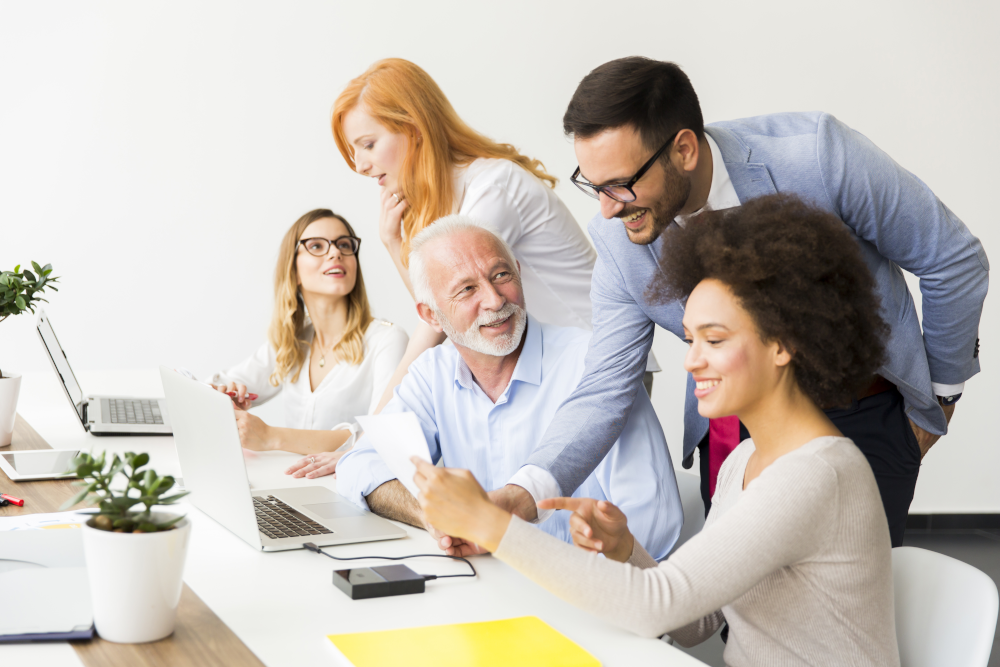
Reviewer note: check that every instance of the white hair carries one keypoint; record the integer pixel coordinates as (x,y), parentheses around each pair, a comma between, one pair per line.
(441,229)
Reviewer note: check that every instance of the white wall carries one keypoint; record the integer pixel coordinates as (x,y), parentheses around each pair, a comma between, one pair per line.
(155,153)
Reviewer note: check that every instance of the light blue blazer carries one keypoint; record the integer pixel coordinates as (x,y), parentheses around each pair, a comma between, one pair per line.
(898,223)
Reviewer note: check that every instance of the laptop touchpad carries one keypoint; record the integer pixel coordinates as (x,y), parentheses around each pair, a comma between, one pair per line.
(334,510)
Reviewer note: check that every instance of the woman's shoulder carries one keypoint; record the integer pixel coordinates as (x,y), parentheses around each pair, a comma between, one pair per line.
(502,173)
(823,464)
(487,170)
(383,332)
(833,450)
(736,463)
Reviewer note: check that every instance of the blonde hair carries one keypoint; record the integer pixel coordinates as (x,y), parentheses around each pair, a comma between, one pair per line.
(406,100)
(288,320)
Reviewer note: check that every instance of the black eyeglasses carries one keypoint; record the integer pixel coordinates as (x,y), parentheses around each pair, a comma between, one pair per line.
(347,245)
(623,191)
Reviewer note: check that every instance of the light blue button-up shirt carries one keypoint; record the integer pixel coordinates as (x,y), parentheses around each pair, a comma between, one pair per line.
(465,428)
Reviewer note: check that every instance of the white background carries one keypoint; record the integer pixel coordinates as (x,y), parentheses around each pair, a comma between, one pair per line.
(155,153)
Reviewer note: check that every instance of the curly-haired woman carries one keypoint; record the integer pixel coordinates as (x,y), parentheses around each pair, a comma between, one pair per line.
(782,318)
(325,351)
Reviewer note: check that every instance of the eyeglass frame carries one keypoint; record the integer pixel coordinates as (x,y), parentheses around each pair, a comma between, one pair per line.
(593,190)
(333,244)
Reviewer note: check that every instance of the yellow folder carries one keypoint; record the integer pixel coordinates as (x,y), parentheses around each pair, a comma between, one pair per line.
(526,641)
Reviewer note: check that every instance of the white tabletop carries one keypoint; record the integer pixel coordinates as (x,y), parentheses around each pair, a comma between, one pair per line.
(282,605)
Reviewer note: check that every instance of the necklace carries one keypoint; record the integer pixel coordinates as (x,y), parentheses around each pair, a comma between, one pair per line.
(322,358)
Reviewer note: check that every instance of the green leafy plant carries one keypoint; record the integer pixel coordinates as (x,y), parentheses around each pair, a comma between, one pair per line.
(19,289)
(115,509)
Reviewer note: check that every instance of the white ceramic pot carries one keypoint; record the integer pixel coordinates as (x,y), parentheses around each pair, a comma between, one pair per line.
(135,580)
(10,386)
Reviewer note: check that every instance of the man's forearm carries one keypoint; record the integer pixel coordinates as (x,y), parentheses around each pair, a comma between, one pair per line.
(392,501)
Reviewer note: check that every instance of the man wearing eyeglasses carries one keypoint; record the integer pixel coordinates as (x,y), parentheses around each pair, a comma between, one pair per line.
(645,154)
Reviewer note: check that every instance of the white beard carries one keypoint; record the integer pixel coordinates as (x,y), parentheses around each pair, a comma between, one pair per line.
(471,338)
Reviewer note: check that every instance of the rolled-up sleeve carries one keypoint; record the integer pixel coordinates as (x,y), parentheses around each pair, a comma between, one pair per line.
(362,470)
(253,372)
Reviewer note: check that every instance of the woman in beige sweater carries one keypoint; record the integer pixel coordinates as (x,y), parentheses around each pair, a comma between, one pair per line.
(782,320)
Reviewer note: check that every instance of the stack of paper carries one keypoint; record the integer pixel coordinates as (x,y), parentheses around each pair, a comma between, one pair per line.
(43,577)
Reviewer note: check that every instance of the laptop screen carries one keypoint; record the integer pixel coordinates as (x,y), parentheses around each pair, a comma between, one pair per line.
(61,363)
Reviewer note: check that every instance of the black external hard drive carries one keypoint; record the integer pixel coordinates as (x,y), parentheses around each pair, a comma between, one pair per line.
(378,582)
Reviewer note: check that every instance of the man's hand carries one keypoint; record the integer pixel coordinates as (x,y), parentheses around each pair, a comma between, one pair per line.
(515,500)
(455,503)
(925,439)
(596,525)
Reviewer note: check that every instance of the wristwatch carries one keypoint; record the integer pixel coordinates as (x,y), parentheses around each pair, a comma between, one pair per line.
(949,400)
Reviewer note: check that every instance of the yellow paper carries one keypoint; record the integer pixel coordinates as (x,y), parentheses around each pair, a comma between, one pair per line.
(526,642)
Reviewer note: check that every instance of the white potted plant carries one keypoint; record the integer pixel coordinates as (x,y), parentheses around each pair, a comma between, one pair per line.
(135,559)
(18,293)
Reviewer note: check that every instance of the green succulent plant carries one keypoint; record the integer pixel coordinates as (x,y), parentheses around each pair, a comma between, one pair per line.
(19,289)
(115,508)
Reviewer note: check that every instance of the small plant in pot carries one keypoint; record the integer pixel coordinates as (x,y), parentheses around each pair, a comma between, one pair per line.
(135,557)
(18,292)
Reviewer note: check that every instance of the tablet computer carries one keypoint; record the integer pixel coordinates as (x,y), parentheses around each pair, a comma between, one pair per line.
(38,464)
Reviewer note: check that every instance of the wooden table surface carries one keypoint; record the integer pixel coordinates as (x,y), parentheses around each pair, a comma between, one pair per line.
(199,637)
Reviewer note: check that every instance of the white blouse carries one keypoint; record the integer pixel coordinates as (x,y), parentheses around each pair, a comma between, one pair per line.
(347,391)
(556,258)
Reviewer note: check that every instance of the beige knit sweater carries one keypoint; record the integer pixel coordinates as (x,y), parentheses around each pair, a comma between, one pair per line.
(799,564)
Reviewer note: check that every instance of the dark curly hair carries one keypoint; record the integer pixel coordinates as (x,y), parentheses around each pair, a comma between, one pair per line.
(800,275)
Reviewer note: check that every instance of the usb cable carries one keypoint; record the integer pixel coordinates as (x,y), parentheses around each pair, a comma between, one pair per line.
(427,577)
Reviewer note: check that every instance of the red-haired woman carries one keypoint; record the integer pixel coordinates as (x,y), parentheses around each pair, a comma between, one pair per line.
(394,124)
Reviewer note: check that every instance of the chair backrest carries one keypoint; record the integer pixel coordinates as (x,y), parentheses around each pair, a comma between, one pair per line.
(689,487)
(946,610)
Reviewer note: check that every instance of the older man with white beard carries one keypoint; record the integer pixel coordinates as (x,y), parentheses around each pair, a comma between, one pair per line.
(484,403)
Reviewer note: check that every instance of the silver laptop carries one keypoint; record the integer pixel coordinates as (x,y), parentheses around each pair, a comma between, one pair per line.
(211,457)
(103,415)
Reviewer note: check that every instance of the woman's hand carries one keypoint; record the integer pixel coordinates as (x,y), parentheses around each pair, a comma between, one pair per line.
(454,503)
(390,219)
(596,525)
(316,465)
(241,399)
(254,433)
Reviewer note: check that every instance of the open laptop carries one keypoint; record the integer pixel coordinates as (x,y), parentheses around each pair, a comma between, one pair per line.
(211,457)
(103,415)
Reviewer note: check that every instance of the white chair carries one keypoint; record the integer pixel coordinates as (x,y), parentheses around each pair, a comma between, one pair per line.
(946,610)
(689,486)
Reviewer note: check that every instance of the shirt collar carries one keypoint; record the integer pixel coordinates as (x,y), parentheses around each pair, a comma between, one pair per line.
(529,364)
(721,194)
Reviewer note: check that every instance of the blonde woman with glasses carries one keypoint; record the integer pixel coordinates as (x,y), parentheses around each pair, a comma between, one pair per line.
(395,125)
(325,351)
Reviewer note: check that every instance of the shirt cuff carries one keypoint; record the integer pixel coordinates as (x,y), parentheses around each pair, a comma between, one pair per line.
(947,389)
(540,484)
(354,428)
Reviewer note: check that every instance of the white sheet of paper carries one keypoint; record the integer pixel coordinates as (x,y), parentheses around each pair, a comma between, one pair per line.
(397,437)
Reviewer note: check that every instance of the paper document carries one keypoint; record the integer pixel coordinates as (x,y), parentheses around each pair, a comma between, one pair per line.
(396,438)
(71,519)
(43,577)
(526,642)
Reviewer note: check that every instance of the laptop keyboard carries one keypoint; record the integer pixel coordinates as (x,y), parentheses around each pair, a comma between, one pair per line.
(128,411)
(276,519)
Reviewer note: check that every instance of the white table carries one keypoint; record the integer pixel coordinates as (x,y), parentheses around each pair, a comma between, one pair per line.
(282,605)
